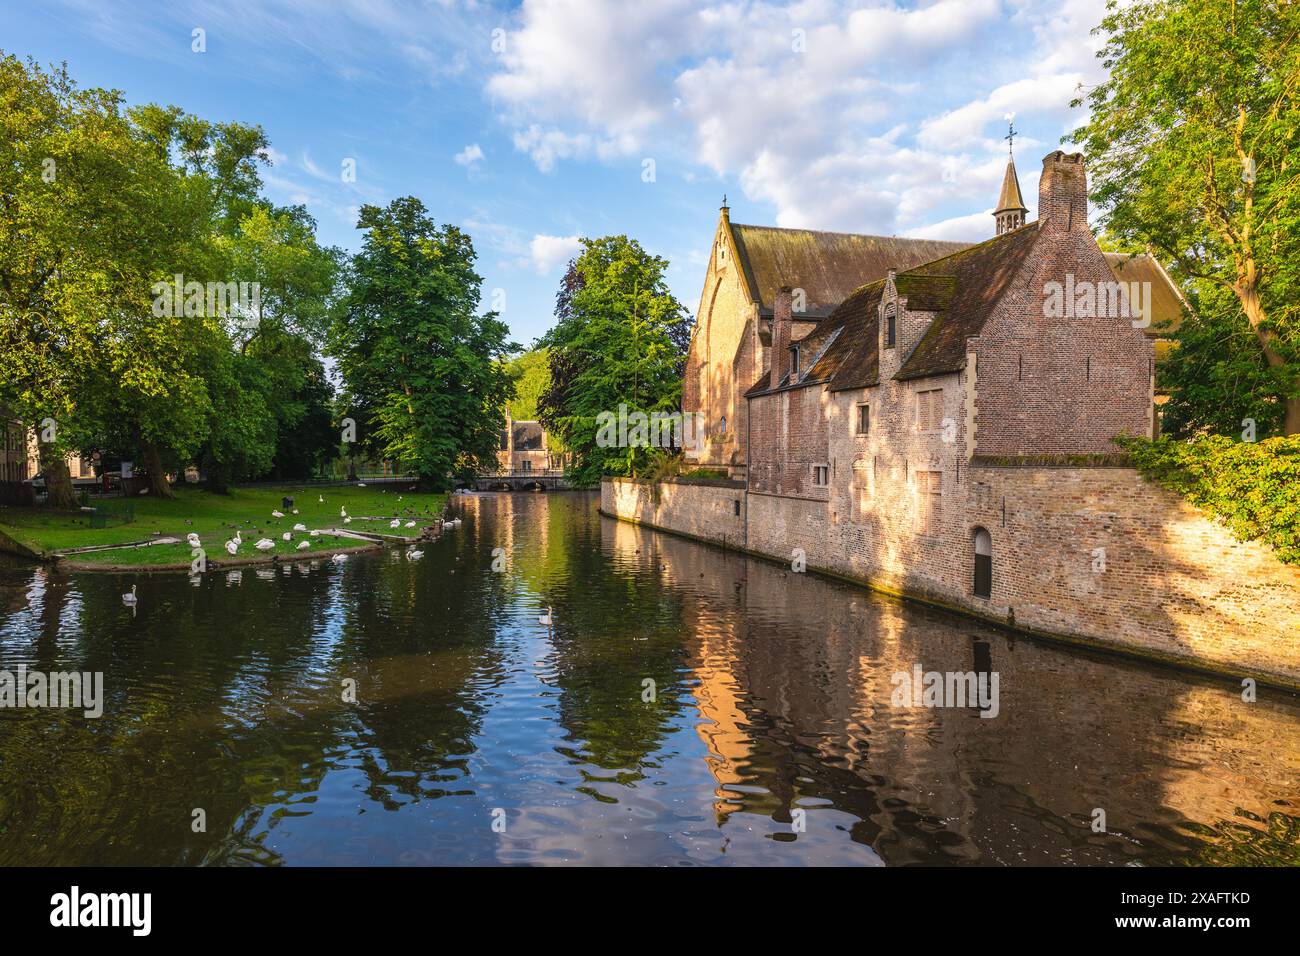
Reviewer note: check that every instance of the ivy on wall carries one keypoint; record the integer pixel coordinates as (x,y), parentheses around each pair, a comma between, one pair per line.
(1254,487)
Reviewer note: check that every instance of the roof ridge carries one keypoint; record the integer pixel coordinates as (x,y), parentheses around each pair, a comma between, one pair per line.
(855,235)
(969,249)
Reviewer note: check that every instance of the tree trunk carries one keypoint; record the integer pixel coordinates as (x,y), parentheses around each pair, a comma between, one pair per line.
(158,486)
(58,480)
(1248,295)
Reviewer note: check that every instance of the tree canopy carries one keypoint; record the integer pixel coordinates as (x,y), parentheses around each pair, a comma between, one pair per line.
(620,341)
(1192,143)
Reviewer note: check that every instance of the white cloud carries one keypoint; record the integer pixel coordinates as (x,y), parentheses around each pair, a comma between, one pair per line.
(470,155)
(854,133)
(550,252)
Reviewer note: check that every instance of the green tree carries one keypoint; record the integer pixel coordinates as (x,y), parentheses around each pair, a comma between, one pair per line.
(531,372)
(620,340)
(425,370)
(1192,143)
(90,214)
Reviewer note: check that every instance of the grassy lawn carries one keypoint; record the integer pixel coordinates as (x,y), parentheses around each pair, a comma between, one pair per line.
(215,518)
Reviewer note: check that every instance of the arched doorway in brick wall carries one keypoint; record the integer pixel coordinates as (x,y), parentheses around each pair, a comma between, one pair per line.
(982,544)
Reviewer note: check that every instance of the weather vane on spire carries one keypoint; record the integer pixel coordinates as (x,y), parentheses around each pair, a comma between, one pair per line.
(1011,132)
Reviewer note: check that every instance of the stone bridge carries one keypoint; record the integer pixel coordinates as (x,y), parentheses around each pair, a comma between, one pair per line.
(521,481)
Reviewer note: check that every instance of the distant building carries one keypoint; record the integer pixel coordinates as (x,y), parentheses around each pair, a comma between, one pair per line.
(20,455)
(525,449)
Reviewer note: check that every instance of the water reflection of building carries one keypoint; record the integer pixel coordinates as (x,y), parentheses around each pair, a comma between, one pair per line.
(792,679)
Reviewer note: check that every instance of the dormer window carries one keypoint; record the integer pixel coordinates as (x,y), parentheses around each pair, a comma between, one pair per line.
(891,327)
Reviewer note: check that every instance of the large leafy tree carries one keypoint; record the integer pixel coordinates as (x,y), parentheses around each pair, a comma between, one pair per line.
(1193,144)
(620,340)
(90,213)
(423,369)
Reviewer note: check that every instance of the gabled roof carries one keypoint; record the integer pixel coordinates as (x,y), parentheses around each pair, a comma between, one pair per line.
(828,266)
(962,289)
(1167,300)
(527,435)
(980,275)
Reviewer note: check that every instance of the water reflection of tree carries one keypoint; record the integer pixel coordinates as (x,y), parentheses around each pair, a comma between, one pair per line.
(229,699)
(614,629)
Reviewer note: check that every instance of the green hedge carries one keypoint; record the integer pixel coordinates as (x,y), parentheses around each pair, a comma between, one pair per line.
(1253,486)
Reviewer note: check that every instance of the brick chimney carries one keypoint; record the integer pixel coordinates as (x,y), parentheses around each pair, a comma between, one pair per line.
(782,320)
(1063,192)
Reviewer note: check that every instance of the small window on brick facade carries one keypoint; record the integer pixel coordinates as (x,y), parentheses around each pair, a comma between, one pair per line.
(862,424)
(983,545)
(722,425)
(821,475)
(891,327)
(929,502)
(929,410)
(735,505)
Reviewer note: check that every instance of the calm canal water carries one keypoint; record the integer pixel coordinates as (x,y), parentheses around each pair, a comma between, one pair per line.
(771,738)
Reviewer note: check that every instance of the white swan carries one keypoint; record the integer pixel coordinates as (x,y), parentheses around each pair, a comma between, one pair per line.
(315,533)
(340,558)
(409,524)
(303,544)
(347,520)
(237,539)
(395,523)
(343,512)
(300,527)
(447,526)
(265,544)
(193,539)
(277,514)
(361,484)
(414,555)
(295,510)
(129,598)
(545,618)
(232,547)
(287,536)
(320,499)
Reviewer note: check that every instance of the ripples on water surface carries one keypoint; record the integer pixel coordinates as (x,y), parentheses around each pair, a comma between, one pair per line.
(772,695)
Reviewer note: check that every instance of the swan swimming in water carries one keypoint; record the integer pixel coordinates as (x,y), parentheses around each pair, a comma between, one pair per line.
(129,597)
(414,555)
(340,558)
(545,618)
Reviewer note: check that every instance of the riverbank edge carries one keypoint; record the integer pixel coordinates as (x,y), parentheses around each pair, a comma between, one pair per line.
(68,564)
(1178,662)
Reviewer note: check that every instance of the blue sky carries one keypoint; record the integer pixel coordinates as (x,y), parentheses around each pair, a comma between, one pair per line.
(531,124)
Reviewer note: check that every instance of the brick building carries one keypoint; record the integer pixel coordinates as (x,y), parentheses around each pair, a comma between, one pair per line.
(940,433)
(525,449)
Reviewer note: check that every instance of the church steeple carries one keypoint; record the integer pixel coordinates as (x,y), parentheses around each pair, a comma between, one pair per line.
(1010,212)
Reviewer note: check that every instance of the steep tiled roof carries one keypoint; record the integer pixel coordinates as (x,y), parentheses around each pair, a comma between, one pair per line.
(828,266)
(1166,299)
(962,290)
(528,436)
(980,274)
